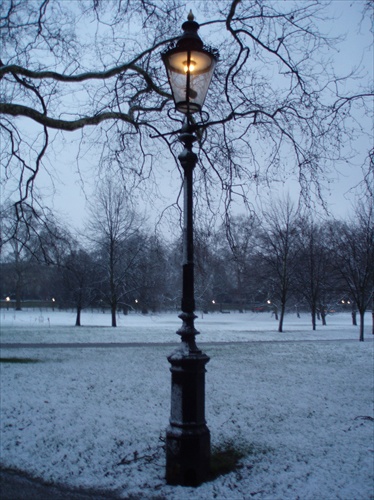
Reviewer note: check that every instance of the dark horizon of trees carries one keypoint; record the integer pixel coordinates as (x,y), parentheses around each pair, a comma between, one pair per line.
(281,261)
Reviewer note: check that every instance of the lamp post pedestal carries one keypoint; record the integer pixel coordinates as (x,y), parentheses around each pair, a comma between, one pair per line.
(187,437)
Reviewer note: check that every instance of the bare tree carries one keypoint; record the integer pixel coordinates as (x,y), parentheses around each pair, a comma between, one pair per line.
(280,251)
(214,284)
(353,247)
(313,272)
(277,107)
(78,277)
(243,237)
(152,272)
(111,229)
(30,240)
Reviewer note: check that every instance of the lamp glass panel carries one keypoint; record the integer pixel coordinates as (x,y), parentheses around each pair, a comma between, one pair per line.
(200,74)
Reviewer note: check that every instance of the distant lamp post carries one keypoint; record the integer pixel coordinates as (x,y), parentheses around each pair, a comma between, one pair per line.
(189,65)
(7,300)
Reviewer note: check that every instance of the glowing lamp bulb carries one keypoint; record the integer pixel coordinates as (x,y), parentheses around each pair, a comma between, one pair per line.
(190,67)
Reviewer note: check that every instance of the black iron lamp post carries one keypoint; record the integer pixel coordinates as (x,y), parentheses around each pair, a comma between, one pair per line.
(190,67)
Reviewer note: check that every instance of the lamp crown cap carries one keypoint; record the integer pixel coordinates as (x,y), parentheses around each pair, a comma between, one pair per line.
(190,16)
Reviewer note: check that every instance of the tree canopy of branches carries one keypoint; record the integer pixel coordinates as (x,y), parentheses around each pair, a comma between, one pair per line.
(92,68)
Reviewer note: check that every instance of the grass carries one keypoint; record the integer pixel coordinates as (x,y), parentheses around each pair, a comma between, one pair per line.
(225,460)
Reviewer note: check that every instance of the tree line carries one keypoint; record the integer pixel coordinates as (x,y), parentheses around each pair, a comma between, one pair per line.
(281,260)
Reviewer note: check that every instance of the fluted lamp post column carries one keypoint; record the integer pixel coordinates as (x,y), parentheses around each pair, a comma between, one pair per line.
(189,65)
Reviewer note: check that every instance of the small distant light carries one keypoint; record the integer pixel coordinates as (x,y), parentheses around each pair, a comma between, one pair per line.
(268,301)
(7,299)
(348,301)
(136,301)
(53,299)
(343,301)
(213,301)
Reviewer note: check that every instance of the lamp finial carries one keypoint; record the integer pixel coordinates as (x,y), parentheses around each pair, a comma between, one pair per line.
(190,16)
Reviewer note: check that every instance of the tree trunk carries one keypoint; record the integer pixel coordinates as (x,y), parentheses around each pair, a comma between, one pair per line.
(282,311)
(276,313)
(114,316)
(19,276)
(18,292)
(78,318)
(314,314)
(362,314)
(322,308)
(354,318)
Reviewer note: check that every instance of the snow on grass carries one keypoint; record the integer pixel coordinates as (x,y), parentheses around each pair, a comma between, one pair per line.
(56,326)
(301,413)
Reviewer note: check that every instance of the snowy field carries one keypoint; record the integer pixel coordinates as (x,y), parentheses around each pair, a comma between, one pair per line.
(56,326)
(300,411)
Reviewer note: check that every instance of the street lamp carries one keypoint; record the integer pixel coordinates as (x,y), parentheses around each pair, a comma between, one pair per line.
(189,65)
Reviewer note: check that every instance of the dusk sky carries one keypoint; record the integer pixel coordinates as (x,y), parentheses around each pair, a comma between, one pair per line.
(67,189)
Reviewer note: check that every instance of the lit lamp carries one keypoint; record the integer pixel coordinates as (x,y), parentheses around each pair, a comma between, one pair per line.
(189,65)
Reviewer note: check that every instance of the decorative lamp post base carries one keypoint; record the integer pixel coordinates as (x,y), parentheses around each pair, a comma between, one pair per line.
(187,437)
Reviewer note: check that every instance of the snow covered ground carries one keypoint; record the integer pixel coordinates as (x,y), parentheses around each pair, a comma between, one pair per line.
(56,326)
(301,412)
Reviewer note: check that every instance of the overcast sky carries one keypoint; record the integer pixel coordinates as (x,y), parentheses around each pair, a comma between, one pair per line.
(69,200)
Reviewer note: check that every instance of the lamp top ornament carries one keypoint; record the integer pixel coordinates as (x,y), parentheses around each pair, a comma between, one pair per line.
(190,66)
(190,36)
